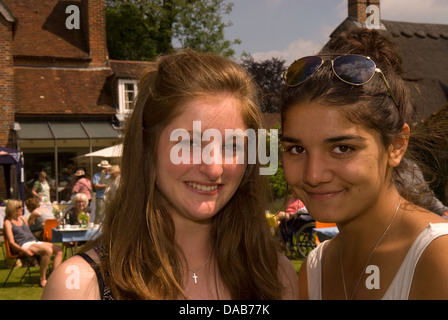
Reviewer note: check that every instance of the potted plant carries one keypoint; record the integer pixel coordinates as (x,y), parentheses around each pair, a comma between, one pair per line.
(83,218)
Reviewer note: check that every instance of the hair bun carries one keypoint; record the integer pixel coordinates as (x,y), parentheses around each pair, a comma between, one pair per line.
(372,43)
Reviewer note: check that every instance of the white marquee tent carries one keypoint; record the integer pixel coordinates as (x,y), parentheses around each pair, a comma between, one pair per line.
(110,152)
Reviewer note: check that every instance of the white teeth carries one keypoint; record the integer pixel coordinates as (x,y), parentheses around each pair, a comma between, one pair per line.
(201,187)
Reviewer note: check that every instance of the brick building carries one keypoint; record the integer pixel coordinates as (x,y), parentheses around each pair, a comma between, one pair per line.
(60,95)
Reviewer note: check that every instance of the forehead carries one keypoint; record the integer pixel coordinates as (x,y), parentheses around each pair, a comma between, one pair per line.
(316,121)
(218,111)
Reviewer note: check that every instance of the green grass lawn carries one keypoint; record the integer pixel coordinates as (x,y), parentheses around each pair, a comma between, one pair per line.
(16,289)
(297,264)
(23,290)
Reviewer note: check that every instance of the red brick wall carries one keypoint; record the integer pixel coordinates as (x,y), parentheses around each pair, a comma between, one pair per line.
(6,81)
(6,90)
(97,33)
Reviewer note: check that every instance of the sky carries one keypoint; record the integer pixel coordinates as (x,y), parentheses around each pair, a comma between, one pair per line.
(290,29)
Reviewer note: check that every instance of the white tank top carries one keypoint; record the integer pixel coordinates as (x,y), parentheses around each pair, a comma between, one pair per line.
(401,285)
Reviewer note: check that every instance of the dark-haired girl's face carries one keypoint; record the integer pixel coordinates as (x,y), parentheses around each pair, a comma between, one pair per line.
(337,168)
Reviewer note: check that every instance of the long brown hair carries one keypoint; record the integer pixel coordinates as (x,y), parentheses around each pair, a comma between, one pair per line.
(140,259)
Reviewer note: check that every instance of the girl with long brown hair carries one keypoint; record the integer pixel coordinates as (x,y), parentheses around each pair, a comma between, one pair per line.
(179,230)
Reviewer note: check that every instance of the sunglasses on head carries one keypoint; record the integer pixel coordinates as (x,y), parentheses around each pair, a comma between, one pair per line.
(353,69)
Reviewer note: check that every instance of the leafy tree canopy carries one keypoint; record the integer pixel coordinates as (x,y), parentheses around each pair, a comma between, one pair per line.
(143,29)
(268,75)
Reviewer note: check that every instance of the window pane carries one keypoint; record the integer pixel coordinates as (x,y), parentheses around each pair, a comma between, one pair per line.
(128,95)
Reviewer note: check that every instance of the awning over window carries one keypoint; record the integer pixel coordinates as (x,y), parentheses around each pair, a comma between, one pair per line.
(62,137)
(66,130)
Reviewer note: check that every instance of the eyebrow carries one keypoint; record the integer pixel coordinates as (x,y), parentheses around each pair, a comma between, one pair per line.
(288,139)
(233,135)
(328,140)
(344,138)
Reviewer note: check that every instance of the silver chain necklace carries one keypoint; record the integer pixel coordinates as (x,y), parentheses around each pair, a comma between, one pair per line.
(368,259)
(195,277)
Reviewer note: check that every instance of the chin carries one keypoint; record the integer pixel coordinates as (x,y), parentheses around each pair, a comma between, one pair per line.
(322,215)
(203,213)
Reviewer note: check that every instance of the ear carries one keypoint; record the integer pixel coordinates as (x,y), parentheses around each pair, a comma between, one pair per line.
(398,146)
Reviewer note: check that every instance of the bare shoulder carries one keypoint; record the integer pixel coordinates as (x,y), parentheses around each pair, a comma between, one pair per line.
(431,273)
(288,277)
(74,279)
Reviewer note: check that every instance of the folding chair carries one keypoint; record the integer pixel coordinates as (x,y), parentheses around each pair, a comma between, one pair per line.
(15,257)
(48,235)
(3,248)
(48,226)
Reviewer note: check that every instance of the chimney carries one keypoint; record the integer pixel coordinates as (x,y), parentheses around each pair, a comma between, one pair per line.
(96,16)
(357,10)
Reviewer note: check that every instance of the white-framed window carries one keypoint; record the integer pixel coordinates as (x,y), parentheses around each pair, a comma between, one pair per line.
(127,91)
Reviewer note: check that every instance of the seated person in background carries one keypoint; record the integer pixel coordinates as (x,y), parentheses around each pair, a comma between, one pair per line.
(294,206)
(37,218)
(291,219)
(80,202)
(22,241)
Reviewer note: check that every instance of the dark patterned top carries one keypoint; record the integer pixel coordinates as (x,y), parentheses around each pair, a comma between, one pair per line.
(104,288)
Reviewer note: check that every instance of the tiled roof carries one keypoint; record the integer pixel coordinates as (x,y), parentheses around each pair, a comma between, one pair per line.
(40,30)
(40,91)
(424,48)
(420,30)
(130,69)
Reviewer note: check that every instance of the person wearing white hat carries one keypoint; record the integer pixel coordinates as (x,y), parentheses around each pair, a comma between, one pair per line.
(100,188)
(112,182)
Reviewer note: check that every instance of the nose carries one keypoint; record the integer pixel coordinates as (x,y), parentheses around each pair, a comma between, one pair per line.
(212,161)
(213,171)
(211,164)
(317,171)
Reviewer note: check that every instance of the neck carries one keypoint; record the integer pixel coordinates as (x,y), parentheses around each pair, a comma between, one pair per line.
(193,242)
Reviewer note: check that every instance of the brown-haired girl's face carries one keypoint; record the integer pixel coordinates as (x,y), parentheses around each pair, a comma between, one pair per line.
(197,188)
(337,168)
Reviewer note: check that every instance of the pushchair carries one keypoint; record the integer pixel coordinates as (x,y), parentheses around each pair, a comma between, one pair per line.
(297,234)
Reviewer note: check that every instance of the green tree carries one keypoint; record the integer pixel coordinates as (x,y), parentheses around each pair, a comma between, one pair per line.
(139,29)
(199,26)
(277,181)
(143,29)
(268,75)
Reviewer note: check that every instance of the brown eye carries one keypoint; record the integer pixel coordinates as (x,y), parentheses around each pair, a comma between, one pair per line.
(342,149)
(296,150)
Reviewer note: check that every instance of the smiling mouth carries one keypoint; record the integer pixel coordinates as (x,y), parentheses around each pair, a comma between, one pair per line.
(324,195)
(202,187)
